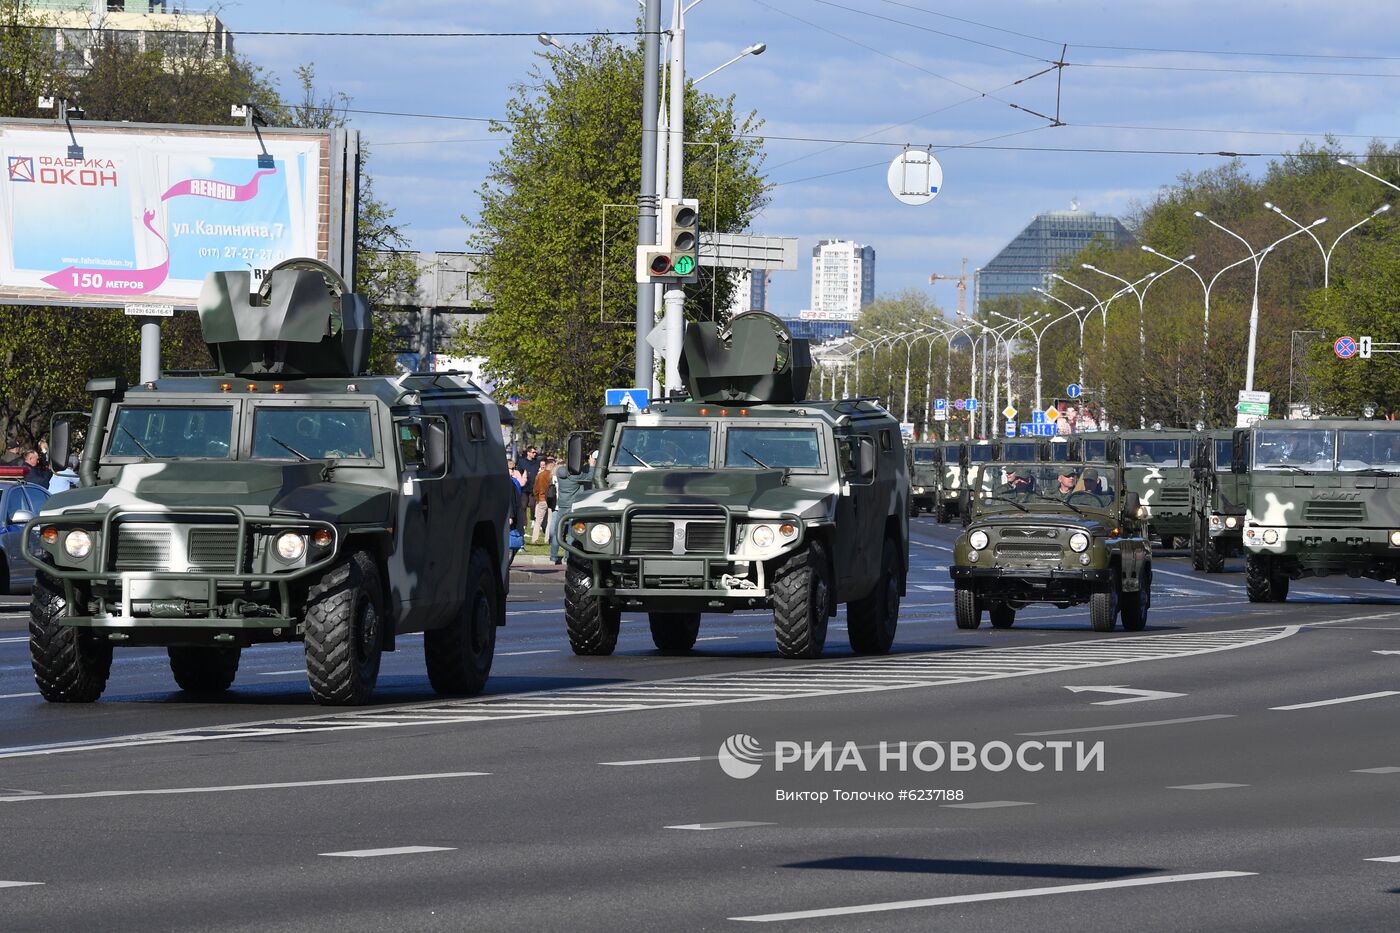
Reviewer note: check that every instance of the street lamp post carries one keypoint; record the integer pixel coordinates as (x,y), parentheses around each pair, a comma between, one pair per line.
(1327,251)
(1141,296)
(1352,165)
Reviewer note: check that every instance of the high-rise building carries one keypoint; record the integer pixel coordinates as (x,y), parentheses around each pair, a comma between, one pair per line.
(1047,244)
(843,276)
(750,292)
(148,25)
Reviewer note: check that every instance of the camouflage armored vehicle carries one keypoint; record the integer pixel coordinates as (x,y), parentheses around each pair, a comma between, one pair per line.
(1063,534)
(925,476)
(293,499)
(1218,499)
(1324,498)
(741,496)
(1156,465)
(950,480)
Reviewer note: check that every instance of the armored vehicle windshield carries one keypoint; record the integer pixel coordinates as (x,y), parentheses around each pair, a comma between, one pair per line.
(1021,485)
(1164,452)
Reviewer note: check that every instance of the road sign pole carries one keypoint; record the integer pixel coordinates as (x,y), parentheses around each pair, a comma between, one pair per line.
(646,202)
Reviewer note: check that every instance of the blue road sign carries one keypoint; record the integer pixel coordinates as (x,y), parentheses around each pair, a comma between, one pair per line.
(940,404)
(633,398)
(1345,348)
(972,404)
(1074,390)
(1027,430)
(1037,417)
(959,404)
(1010,429)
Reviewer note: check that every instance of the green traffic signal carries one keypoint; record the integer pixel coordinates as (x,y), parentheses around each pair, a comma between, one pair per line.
(684,265)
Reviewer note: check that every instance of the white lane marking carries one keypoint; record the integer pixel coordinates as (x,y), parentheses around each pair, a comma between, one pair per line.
(16,696)
(719,638)
(515,654)
(1356,699)
(1129,725)
(1186,576)
(397,850)
(295,670)
(657,761)
(225,788)
(732,824)
(988,804)
(992,896)
(11,641)
(936,547)
(1385,652)
(1218,785)
(26,884)
(1385,770)
(1130,695)
(933,587)
(1385,858)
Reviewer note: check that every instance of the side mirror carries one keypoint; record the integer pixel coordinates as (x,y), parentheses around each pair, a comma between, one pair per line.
(1132,505)
(435,448)
(22,516)
(1114,449)
(866,457)
(59,442)
(1239,451)
(965,506)
(575,457)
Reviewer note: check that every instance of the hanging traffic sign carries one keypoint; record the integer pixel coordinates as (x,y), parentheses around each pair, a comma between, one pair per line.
(1345,348)
(1051,414)
(972,404)
(914,177)
(1074,390)
(638,399)
(1008,412)
(959,404)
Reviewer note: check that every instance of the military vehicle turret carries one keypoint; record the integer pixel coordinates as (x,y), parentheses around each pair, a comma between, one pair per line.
(1324,498)
(744,495)
(294,498)
(1218,500)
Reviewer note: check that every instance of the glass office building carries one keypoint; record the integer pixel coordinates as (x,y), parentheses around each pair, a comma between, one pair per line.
(1047,245)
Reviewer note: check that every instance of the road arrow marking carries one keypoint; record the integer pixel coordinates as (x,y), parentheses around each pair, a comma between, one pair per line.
(1130,695)
(1385,652)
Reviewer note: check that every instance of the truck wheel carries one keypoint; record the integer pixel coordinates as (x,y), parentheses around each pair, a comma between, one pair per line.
(940,514)
(204,670)
(1002,616)
(871,621)
(70,666)
(802,603)
(674,631)
(1262,582)
(459,655)
(1199,536)
(1134,606)
(344,632)
(965,609)
(1103,608)
(592,625)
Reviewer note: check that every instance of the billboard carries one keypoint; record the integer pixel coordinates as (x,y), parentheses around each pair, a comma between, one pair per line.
(810,315)
(149,210)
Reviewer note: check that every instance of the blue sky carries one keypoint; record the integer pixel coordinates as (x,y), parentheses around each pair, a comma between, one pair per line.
(834,69)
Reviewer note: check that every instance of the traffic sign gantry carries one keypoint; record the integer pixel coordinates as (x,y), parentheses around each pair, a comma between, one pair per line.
(1345,348)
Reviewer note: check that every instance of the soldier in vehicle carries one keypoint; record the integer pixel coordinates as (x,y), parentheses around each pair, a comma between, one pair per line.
(1068,480)
(1140,455)
(1016,483)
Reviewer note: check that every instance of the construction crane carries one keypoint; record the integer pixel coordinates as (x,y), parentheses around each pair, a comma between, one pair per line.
(962,279)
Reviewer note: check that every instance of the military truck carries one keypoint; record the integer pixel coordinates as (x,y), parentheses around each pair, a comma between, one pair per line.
(1063,534)
(292,499)
(743,495)
(950,481)
(1218,499)
(925,476)
(1324,498)
(1156,465)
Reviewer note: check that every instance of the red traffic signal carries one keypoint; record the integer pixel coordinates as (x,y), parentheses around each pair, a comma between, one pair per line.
(660,264)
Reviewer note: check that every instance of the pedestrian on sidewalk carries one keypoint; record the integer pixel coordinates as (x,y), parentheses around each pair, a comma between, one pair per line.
(517,512)
(544,483)
(530,463)
(66,478)
(571,486)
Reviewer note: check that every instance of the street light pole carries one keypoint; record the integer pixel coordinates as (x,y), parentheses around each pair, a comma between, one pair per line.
(1353,165)
(1141,296)
(673,319)
(644,364)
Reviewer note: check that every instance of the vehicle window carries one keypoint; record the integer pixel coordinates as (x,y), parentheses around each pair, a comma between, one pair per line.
(950,454)
(1361,450)
(658,446)
(1096,451)
(1059,452)
(171,432)
(12,504)
(1184,451)
(476,426)
(886,439)
(1148,452)
(775,448)
(297,433)
(1224,453)
(410,443)
(1040,483)
(1018,451)
(925,455)
(1309,448)
(35,498)
(980,453)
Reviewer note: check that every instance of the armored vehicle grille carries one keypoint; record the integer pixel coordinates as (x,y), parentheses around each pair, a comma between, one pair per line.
(704,537)
(1324,511)
(213,549)
(1175,496)
(140,548)
(1011,534)
(650,536)
(1028,551)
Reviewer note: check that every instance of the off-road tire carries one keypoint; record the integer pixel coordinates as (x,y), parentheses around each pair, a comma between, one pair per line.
(1199,535)
(592,625)
(70,666)
(204,670)
(966,612)
(344,635)
(459,655)
(674,631)
(1212,558)
(871,621)
(802,603)
(1261,583)
(1103,608)
(1132,607)
(940,514)
(1002,616)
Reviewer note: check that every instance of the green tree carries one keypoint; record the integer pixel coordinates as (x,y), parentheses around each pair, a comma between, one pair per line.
(894,336)
(561,328)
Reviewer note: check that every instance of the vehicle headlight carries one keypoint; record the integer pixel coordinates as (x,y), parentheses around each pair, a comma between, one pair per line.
(291,545)
(1079,542)
(1270,536)
(919,490)
(78,544)
(1231,521)
(1141,512)
(763,535)
(787,530)
(1214,520)
(978,540)
(600,534)
(1395,539)
(974,556)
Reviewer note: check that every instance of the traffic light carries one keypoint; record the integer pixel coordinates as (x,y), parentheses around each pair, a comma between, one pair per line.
(677,257)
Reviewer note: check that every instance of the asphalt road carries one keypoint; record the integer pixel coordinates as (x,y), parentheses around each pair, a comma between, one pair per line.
(1249,783)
